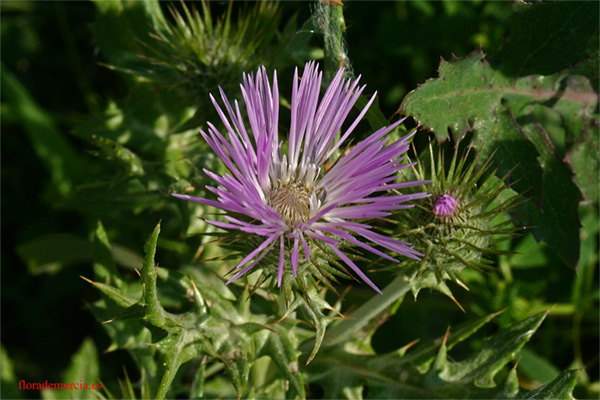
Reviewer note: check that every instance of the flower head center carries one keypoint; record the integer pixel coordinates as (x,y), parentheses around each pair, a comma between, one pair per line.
(291,201)
(445,206)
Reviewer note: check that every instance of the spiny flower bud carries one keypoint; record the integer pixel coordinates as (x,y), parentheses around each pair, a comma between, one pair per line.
(445,206)
(456,228)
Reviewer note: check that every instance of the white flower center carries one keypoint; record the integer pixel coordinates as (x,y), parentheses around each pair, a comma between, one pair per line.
(292,192)
(291,201)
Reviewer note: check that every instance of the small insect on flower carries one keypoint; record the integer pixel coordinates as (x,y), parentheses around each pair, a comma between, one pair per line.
(285,196)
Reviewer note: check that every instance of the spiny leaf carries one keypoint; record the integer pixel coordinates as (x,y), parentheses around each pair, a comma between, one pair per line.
(532,110)
(104,264)
(216,328)
(494,354)
(423,353)
(471,95)
(118,296)
(154,311)
(281,346)
(429,373)
(178,348)
(560,388)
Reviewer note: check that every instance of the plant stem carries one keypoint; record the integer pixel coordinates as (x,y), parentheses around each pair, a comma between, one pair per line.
(333,26)
(348,328)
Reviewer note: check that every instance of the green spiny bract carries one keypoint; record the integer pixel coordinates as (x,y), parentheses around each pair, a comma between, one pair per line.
(460,223)
(199,54)
(300,297)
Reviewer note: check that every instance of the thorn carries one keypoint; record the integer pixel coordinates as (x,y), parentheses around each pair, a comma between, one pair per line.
(108,321)
(493,315)
(87,280)
(517,363)
(337,312)
(281,319)
(223,360)
(458,304)
(198,253)
(402,350)
(549,310)
(137,272)
(446,337)
(230,272)
(332,2)
(461,284)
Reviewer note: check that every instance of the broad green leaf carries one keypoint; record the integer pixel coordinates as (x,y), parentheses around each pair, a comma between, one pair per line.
(536,367)
(583,159)
(471,95)
(533,110)
(49,253)
(84,364)
(549,37)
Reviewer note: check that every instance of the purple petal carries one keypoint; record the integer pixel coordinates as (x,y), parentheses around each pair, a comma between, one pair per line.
(249,267)
(354,268)
(281,259)
(295,257)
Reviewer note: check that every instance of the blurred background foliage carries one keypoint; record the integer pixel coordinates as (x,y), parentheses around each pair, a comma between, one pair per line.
(100,107)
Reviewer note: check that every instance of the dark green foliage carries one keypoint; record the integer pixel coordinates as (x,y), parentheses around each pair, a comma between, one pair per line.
(534,115)
(427,371)
(101,103)
(215,330)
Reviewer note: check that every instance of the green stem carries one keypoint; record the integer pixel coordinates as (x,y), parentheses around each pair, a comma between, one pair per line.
(154,311)
(334,26)
(348,328)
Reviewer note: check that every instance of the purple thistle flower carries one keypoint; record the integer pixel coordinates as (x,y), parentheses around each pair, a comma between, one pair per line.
(445,206)
(287,196)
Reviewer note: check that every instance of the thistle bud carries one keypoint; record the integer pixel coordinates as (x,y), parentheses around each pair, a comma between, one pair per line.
(457,227)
